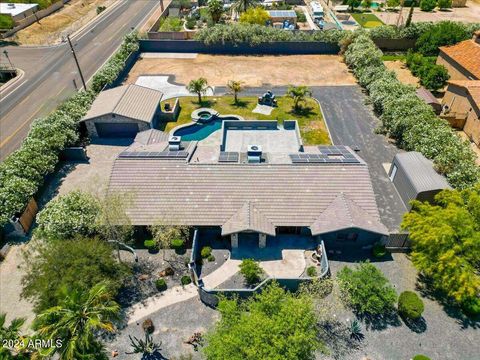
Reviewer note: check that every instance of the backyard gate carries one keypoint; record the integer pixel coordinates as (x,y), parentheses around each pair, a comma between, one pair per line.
(398,242)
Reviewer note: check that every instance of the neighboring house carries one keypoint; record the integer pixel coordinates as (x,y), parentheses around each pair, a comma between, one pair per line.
(279,16)
(463,59)
(252,187)
(415,177)
(461,107)
(123,112)
(18,11)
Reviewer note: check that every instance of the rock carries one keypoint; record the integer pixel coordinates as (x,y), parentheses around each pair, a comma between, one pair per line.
(114,353)
(143,277)
(167,272)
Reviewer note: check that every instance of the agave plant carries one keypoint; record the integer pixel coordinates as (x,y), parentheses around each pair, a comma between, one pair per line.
(356,330)
(145,347)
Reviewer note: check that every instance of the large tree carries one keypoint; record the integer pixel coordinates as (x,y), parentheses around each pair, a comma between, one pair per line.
(298,94)
(77,320)
(272,325)
(198,86)
(10,332)
(234,88)
(446,244)
(240,6)
(77,264)
(215,9)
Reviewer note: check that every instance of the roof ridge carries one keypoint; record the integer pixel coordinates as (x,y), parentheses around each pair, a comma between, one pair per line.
(349,213)
(126,87)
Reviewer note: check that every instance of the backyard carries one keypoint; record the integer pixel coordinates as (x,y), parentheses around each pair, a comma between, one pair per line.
(367,20)
(310,119)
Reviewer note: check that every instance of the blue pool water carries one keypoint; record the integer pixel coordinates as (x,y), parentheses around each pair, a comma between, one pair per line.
(374,5)
(197,132)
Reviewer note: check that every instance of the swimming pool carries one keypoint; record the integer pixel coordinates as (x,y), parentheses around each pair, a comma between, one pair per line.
(198,131)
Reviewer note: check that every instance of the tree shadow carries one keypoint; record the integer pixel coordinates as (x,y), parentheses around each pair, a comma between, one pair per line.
(240,104)
(425,287)
(338,338)
(205,103)
(8,43)
(418,326)
(303,111)
(380,322)
(155,356)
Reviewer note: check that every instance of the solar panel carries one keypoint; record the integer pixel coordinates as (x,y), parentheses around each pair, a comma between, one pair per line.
(329,154)
(155,154)
(228,156)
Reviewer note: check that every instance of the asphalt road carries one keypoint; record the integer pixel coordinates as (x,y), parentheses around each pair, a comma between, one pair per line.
(51,74)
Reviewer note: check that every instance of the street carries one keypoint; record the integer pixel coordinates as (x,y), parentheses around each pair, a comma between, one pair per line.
(50,73)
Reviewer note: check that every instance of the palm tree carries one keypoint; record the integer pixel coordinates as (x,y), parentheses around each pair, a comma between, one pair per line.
(235,87)
(198,86)
(240,6)
(77,320)
(10,332)
(215,9)
(298,94)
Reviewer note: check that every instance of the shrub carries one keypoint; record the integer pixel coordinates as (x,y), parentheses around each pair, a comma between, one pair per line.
(171,23)
(147,326)
(151,245)
(68,216)
(6,22)
(161,284)
(190,23)
(428,5)
(379,250)
(420,357)
(211,258)
(100,9)
(366,289)
(178,244)
(255,15)
(301,17)
(185,280)
(312,271)
(251,271)
(206,252)
(410,305)
(444,4)
(441,34)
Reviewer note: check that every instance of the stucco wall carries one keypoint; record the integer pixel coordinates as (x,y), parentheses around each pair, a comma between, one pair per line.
(92,131)
(365,238)
(456,71)
(472,127)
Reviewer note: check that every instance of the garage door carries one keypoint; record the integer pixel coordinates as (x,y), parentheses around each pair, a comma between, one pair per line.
(117,130)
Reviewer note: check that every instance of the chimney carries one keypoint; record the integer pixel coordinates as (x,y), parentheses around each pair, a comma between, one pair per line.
(174,143)
(254,154)
(476,36)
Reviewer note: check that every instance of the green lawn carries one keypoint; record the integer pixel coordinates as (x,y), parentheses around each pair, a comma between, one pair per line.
(394,57)
(367,20)
(310,120)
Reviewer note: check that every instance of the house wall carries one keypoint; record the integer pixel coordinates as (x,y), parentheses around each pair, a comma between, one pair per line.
(92,131)
(364,239)
(455,70)
(472,126)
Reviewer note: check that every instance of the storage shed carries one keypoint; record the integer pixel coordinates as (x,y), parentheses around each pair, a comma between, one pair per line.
(415,178)
(431,100)
(123,111)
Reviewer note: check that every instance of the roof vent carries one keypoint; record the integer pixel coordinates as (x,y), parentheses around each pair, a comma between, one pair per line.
(11,6)
(254,153)
(174,143)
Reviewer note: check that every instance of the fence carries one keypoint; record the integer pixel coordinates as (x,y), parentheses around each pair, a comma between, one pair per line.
(395,44)
(29,20)
(127,66)
(398,242)
(271,48)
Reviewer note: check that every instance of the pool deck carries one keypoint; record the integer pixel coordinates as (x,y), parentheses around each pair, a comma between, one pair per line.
(272,141)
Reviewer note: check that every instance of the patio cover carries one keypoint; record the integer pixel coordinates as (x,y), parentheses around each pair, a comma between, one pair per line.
(248,218)
(344,213)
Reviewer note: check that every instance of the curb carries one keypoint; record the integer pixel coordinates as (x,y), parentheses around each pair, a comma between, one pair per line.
(13,81)
(324,120)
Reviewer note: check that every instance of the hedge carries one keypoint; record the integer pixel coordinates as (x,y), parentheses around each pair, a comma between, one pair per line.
(408,119)
(23,172)
(6,22)
(255,34)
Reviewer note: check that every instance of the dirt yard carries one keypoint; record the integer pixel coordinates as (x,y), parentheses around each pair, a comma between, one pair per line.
(403,73)
(470,13)
(255,71)
(67,20)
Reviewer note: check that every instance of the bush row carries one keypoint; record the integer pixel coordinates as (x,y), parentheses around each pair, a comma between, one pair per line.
(408,119)
(255,34)
(23,172)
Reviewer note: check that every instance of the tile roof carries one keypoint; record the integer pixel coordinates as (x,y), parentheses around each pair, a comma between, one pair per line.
(472,86)
(199,194)
(248,218)
(466,54)
(344,213)
(151,136)
(132,101)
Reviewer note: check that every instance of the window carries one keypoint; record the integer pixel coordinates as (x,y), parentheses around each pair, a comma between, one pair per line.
(393,172)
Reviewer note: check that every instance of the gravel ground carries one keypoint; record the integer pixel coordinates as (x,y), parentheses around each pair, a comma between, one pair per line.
(173,325)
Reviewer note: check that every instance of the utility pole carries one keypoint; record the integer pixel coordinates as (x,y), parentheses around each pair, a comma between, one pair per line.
(161,6)
(10,62)
(76,61)
(400,14)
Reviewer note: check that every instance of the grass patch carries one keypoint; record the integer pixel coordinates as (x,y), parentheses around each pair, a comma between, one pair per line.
(310,120)
(394,57)
(367,21)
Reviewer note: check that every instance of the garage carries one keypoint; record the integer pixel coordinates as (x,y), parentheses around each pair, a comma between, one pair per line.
(122,112)
(116,130)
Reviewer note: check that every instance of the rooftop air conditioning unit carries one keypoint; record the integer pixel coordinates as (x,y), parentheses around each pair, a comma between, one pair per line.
(254,153)
(445,109)
(11,6)
(174,143)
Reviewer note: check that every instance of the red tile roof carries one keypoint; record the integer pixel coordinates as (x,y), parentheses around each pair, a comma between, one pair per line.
(466,54)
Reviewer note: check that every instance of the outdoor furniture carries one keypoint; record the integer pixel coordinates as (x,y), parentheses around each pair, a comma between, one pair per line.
(268,99)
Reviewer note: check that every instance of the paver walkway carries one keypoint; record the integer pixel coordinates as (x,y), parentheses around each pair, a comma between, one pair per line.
(181,293)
